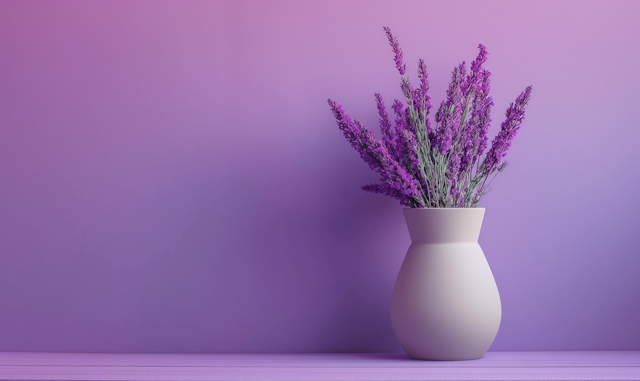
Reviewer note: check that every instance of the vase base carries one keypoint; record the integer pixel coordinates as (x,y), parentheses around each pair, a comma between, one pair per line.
(430,358)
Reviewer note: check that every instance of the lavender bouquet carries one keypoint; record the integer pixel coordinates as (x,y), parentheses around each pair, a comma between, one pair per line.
(442,166)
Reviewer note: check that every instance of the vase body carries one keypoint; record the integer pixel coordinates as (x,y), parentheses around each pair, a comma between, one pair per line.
(445,303)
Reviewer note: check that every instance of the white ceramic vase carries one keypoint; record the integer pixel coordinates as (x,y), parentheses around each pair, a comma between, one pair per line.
(445,303)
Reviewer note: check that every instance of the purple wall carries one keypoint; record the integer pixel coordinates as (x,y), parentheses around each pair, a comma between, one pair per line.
(172,180)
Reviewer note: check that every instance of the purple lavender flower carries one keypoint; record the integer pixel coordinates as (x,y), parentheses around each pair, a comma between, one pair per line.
(482,110)
(401,125)
(385,126)
(449,113)
(467,87)
(407,89)
(348,128)
(476,65)
(385,189)
(374,153)
(422,74)
(475,141)
(474,89)
(398,109)
(396,49)
(392,173)
(453,165)
(406,143)
(420,95)
(508,130)
(412,161)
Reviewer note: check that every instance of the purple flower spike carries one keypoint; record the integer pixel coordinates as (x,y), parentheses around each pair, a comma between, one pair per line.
(476,65)
(482,112)
(396,50)
(412,161)
(398,109)
(348,128)
(407,89)
(422,101)
(475,140)
(385,189)
(424,87)
(396,180)
(401,126)
(385,126)
(508,130)
(449,113)
(468,86)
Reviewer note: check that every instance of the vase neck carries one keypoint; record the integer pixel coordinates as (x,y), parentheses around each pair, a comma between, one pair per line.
(444,225)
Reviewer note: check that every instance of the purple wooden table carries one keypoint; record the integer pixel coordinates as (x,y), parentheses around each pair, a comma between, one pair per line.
(348,366)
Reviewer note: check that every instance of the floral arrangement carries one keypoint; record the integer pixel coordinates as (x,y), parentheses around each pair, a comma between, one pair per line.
(441,166)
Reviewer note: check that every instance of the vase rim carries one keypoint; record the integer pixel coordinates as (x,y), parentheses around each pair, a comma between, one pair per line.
(443,208)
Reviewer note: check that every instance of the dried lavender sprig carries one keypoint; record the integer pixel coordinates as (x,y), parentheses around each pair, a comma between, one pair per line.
(470,138)
(471,85)
(387,191)
(448,115)
(424,100)
(381,188)
(492,163)
(407,146)
(353,133)
(508,130)
(385,126)
(412,157)
(392,173)
(405,85)
(396,50)
(463,133)
(477,127)
(400,125)
(374,153)
(482,112)
(467,87)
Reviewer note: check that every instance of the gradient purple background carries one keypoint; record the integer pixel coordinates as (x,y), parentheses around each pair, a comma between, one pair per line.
(172,180)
